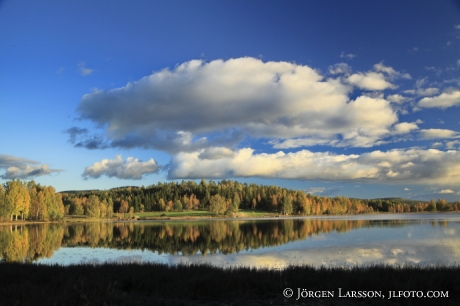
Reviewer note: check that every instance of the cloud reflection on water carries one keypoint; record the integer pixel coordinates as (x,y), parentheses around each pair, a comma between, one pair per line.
(340,242)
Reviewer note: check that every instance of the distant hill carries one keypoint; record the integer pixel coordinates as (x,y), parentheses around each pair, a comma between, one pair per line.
(449,197)
(80,191)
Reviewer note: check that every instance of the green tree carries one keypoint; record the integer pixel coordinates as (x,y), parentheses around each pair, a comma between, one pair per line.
(177,205)
(217,205)
(235,204)
(287,204)
(93,209)
(431,206)
(54,203)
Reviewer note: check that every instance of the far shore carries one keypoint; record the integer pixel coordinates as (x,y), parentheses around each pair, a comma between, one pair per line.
(261,215)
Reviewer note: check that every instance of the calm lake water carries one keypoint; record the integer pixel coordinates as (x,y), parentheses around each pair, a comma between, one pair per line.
(423,239)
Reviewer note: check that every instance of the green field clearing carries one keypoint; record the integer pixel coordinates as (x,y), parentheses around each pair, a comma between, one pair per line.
(187,213)
(204,213)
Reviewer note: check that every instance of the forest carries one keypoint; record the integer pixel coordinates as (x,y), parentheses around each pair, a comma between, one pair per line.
(31,201)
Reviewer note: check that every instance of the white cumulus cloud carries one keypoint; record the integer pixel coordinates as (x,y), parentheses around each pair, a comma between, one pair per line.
(398,99)
(414,166)
(444,100)
(370,81)
(438,133)
(405,127)
(131,169)
(202,104)
(444,191)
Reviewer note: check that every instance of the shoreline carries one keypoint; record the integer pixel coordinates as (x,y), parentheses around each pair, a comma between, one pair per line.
(367,216)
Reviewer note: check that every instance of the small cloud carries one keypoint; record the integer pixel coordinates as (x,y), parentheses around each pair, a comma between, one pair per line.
(438,133)
(131,169)
(348,56)
(398,99)
(452,144)
(378,79)
(322,191)
(84,71)
(418,121)
(404,127)
(406,189)
(457,26)
(370,81)
(423,92)
(440,121)
(60,70)
(92,143)
(436,71)
(380,67)
(444,100)
(436,144)
(21,168)
(340,68)
(444,191)
(414,49)
(74,132)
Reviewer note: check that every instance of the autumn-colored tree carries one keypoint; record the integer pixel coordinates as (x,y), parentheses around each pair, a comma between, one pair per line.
(39,211)
(456,206)
(3,207)
(442,205)
(109,208)
(124,207)
(131,212)
(103,208)
(17,198)
(162,204)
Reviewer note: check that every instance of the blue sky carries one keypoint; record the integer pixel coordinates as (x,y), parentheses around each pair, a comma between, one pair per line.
(353,98)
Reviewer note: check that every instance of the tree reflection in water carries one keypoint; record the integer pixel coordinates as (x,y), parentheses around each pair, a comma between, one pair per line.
(27,243)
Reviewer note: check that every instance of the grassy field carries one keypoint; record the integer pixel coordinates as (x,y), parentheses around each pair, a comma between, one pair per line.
(204,213)
(156,284)
(188,213)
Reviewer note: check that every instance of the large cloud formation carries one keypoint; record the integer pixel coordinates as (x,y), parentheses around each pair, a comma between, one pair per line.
(22,168)
(411,166)
(132,168)
(201,104)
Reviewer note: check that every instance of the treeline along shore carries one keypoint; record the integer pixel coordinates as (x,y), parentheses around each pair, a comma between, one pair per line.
(31,201)
(157,284)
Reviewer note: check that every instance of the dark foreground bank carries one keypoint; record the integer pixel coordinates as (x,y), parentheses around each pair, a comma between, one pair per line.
(154,284)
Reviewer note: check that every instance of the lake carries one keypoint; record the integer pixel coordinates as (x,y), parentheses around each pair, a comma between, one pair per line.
(422,239)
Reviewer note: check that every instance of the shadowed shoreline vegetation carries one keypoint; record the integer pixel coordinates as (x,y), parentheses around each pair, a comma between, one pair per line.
(33,202)
(156,284)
